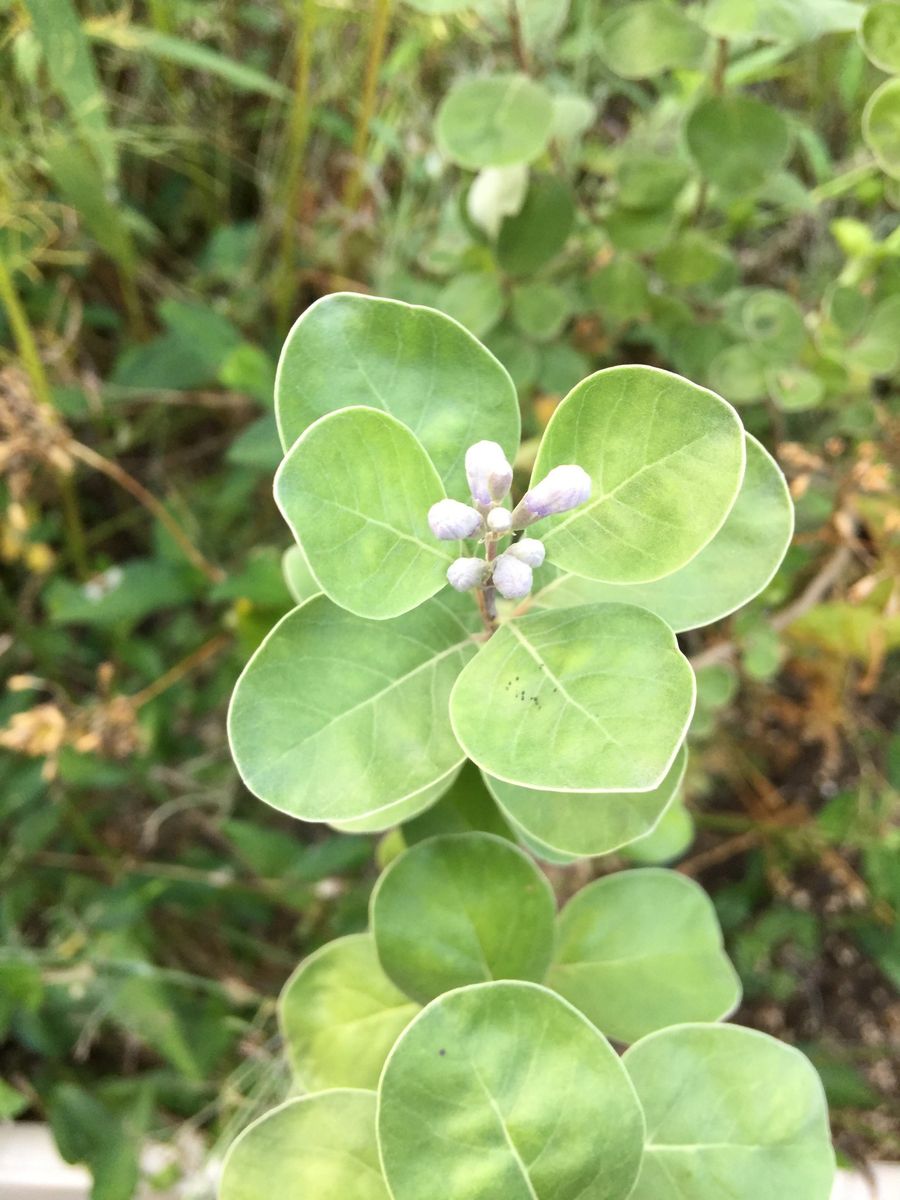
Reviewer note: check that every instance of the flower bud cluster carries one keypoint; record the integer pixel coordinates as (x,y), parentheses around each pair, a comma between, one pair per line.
(489,476)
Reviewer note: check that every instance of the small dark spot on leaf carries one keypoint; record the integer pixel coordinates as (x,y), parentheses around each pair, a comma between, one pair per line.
(442,1053)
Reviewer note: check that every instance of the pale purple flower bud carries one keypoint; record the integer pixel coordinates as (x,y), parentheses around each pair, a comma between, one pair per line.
(564,488)
(488,472)
(528,550)
(466,573)
(499,520)
(450,520)
(512,578)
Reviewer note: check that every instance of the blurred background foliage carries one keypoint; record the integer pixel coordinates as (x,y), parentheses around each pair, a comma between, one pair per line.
(709,187)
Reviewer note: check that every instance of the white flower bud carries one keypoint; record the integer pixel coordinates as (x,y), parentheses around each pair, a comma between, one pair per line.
(512,578)
(488,473)
(450,520)
(499,520)
(466,573)
(564,488)
(528,550)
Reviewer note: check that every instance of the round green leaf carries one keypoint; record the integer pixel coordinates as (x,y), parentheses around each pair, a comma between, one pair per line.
(774,323)
(494,121)
(644,39)
(406,810)
(539,230)
(475,299)
(413,362)
(641,950)
(463,908)
(301,582)
(881,126)
(590,699)
(734,567)
(505,1090)
(319,1146)
(667,842)
(335,717)
(794,389)
(466,807)
(737,141)
(340,1015)
(666,459)
(730,1112)
(540,20)
(355,489)
(583,825)
(540,310)
(740,372)
(880,35)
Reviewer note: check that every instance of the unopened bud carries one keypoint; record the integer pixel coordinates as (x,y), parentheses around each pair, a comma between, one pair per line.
(488,472)
(466,573)
(451,520)
(528,550)
(499,520)
(512,577)
(564,488)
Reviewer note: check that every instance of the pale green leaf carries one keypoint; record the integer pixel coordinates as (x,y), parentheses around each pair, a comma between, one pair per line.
(880,35)
(666,843)
(335,717)
(540,21)
(641,950)
(728,572)
(881,126)
(644,38)
(355,489)
(737,141)
(577,825)
(504,1090)
(397,813)
(475,299)
(340,1015)
(462,908)
(540,310)
(494,121)
(320,1146)
(300,581)
(590,699)
(666,460)
(70,66)
(196,57)
(730,1112)
(413,362)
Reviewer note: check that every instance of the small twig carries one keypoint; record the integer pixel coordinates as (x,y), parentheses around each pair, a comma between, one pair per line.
(175,674)
(720,66)
(721,853)
(717,87)
(520,49)
(128,483)
(377,44)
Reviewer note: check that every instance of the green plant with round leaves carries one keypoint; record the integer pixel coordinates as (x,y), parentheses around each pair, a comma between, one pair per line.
(551,663)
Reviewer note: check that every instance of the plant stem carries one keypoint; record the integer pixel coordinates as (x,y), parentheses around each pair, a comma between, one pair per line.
(292,183)
(136,489)
(40,385)
(487,593)
(518,39)
(377,44)
(717,87)
(190,663)
(25,340)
